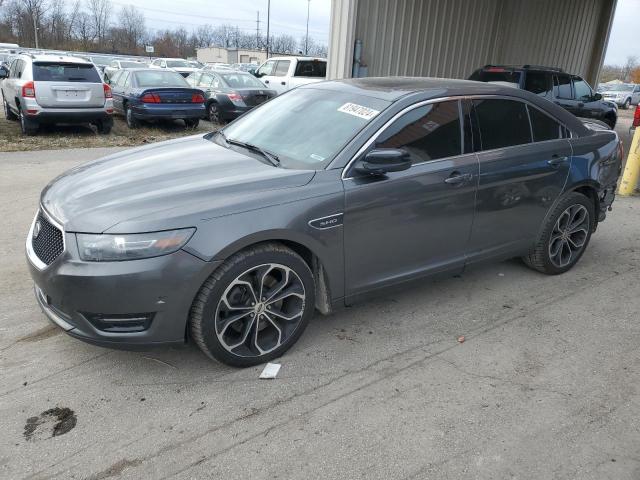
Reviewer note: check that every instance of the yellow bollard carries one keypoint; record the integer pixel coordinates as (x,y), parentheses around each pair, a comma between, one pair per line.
(631,173)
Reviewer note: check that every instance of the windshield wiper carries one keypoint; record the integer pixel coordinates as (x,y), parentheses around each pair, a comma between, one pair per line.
(271,158)
(224,137)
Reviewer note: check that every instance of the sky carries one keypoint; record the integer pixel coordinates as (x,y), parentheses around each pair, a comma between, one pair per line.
(623,40)
(287,16)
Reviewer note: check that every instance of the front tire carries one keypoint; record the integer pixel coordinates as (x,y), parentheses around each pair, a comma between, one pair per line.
(626,104)
(8,114)
(565,235)
(254,307)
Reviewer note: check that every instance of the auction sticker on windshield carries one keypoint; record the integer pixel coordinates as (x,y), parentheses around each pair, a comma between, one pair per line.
(358,111)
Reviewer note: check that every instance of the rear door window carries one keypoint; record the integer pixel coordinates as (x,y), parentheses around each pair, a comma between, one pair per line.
(502,123)
(544,127)
(538,83)
(282,68)
(311,68)
(65,72)
(428,133)
(562,87)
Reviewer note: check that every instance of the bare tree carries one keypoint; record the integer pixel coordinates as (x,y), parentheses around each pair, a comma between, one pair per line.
(131,24)
(99,13)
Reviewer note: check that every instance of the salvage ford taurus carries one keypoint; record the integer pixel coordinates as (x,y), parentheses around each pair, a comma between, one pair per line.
(321,196)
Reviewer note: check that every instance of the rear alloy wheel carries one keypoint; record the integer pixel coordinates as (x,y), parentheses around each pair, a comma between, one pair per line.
(626,104)
(27,126)
(565,235)
(254,307)
(191,122)
(8,114)
(132,122)
(213,111)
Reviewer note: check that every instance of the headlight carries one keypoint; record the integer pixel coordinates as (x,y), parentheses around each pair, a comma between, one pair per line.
(112,248)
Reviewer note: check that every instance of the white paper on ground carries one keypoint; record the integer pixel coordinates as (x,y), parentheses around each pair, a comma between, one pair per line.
(270,370)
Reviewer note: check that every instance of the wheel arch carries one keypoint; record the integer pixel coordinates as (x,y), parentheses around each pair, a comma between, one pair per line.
(589,190)
(308,249)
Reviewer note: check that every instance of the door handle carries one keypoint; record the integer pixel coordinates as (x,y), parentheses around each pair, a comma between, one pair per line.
(557,160)
(282,83)
(457,178)
(580,105)
(266,81)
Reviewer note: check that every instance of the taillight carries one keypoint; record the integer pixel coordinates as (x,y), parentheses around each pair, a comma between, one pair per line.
(636,116)
(29,90)
(234,97)
(495,69)
(150,98)
(197,98)
(107,91)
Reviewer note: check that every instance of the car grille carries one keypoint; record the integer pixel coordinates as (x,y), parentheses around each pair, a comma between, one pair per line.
(48,244)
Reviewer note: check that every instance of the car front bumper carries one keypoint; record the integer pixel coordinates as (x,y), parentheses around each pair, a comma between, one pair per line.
(86,299)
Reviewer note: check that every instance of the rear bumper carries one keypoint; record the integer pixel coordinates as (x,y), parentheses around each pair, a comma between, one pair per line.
(168,112)
(64,116)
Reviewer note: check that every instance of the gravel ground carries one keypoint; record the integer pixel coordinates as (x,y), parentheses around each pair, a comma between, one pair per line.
(545,385)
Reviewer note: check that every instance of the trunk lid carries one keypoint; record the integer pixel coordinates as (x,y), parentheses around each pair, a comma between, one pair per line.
(254,96)
(172,95)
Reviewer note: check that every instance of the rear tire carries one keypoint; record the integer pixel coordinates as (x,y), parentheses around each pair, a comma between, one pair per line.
(626,104)
(104,127)
(8,114)
(565,235)
(213,112)
(254,307)
(28,127)
(192,122)
(132,122)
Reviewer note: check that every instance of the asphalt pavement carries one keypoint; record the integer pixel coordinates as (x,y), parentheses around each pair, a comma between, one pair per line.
(545,384)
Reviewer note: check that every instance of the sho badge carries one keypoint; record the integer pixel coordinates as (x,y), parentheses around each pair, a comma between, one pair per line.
(36,229)
(327,222)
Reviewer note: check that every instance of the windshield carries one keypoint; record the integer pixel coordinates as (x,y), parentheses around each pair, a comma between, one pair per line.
(241,80)
(177,64)
(155,78)
(621,88)
(305,127)
(131,64)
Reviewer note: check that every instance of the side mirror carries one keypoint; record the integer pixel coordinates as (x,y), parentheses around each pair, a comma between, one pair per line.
(384,160)
(258,74)
(597,96)
(4,73)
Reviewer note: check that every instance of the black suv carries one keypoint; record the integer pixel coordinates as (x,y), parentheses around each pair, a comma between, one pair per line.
(571,92)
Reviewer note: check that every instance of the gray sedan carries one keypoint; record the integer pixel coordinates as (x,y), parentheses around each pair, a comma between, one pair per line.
(316,199)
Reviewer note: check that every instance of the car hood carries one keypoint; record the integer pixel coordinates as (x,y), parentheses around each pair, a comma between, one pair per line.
(164,184)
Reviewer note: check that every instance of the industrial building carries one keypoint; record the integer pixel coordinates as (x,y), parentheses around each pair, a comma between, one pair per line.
(451,38)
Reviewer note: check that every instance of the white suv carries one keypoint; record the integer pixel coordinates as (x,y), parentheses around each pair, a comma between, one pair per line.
(50,89)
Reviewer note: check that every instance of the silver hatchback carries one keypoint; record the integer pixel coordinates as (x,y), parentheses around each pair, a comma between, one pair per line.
(40,89)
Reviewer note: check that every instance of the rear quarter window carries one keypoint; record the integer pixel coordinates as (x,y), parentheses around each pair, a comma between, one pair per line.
(65,72)
(538,83)
(311,68)
(544,127)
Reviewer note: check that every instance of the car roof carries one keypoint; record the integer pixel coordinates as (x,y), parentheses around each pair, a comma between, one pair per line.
(55,58)
(393,89)
(289,57)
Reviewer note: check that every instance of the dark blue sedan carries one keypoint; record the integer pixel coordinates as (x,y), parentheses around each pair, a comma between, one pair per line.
(146,94)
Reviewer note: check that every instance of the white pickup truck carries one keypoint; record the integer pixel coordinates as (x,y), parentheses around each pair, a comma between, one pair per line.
(284,73)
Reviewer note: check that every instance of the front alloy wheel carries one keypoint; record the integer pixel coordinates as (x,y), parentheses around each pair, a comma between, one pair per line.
(260,310)
(254,306)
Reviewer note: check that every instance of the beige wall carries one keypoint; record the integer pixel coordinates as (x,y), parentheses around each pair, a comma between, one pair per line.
(224,55)
(451,38)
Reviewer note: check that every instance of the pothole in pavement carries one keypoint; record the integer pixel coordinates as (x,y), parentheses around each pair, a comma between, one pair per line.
(50,423)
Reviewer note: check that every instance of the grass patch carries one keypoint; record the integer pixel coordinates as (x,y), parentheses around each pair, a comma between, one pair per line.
(50,137)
